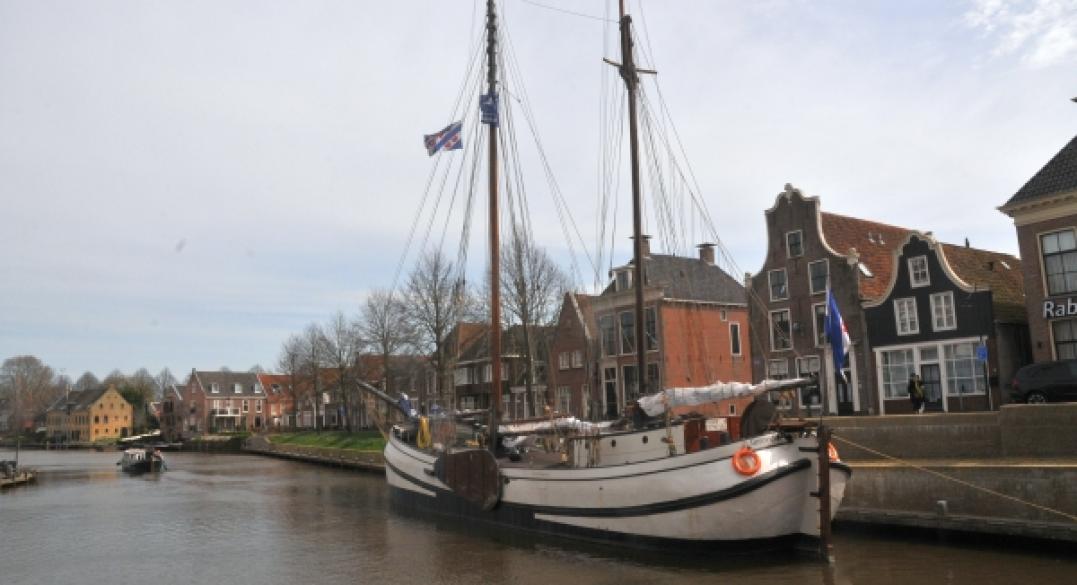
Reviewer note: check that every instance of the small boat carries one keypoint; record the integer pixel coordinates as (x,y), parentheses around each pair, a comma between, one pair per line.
(139,460)
(11,475)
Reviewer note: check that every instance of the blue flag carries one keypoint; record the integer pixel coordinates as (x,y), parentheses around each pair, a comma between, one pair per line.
(448,139)
(836,332)
(488,108)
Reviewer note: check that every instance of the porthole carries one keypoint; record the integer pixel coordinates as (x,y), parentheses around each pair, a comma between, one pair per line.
(644,439)
(613,443)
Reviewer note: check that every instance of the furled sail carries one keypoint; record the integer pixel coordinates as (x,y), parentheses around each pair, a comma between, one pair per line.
(658,403)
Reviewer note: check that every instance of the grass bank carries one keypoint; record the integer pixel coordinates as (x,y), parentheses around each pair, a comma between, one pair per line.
(357,441)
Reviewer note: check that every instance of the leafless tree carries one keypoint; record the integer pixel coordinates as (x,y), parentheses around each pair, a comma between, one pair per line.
(86,381)
(434,301)
(384,326)
(290,362)
(257,369)
(115,378)
(531,289)
(164,381)
(26,384)
(342,347)
(313,352)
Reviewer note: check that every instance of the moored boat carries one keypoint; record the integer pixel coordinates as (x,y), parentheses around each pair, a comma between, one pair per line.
(141,460)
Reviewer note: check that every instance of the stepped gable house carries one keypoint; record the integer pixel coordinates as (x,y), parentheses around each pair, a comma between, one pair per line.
(573,358)
(89,415)
(695,324)
(224,402)
(173,413)
(955,316)
(1044,211)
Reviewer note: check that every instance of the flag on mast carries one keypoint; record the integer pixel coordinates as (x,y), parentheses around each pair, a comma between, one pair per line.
(448,139)
(836,332)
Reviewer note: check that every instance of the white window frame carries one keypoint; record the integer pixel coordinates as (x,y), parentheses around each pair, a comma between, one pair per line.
(734,334)
(788,251)
(563,360)
(770,284)
(564,400)
(214,388)
(784,366)
(825,262)
(935,305)
(914,282)
(237,388)
(913,322)
(246,406)
(789,319)
(818,371)
(820,336)
(577,358)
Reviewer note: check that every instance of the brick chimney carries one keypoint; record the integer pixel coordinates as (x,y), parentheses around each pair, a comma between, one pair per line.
(646,245)
(706,253)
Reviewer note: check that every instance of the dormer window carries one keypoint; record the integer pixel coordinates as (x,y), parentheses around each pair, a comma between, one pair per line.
(624,280)
(257,388)
(214,388)
(918,274)
(237,388)
(794,244)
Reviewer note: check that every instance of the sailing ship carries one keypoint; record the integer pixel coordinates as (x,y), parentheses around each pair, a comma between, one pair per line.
(651,479)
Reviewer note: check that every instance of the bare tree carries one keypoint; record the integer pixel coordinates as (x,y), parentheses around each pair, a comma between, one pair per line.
(384,326)
(115,378)
(531,291)
(257,369)
(26,384)
(434,300)
(290,362)
(313,352)
(164,380)
(86,381)
(342,346)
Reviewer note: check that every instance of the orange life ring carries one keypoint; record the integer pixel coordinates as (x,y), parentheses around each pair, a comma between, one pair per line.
(746,461)
(832,451)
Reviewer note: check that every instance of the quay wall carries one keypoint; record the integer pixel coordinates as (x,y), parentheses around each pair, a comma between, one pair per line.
(347,458)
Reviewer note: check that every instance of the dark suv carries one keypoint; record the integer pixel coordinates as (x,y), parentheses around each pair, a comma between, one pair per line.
(1046,382)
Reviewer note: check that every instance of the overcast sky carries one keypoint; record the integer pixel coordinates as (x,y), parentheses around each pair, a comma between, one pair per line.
(185,184)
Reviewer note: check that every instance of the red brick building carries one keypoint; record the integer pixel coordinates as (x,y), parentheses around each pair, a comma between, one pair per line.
(574,358)
(223,402)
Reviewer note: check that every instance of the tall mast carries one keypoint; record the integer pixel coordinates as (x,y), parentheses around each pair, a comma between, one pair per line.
(495,246)
(631,78)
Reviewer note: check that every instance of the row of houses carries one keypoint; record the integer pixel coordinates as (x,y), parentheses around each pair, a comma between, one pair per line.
(963,318)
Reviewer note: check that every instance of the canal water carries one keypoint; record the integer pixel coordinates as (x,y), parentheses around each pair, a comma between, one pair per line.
(237,519)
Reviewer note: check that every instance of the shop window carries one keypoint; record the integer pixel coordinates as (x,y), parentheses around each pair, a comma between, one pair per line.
(1060,261)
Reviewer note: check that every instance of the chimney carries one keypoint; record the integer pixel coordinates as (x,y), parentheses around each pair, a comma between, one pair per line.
(706,253)
(646,252)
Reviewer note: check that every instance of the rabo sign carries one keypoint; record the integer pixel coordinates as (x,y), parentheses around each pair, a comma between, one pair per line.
(1056,309)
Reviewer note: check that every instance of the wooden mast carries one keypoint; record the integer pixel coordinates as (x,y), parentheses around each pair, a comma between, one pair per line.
(495,246)
(631,78)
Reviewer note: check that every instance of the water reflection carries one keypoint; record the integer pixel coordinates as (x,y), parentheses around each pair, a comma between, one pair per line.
(239,519)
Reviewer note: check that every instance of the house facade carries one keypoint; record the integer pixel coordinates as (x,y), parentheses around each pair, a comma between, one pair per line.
(223,402)
(574,358)
(89,415)
(172,415)
(695,330)
(1044,212)
(473,374)
(955,316)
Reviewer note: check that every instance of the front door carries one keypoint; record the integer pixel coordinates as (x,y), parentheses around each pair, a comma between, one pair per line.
(844,392)
(932,380)
(610,382)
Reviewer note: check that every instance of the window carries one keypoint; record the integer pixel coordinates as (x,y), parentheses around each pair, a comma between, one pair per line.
(628,333)
(467,402)
(564,400)
(106,419)
(237,388)
(257,388)
(918,275)
(819,312)
(897,365)
(563,360)
(778,290)
(276,387)
(216,405)
(609,335)
(1060,261)
(794,244)
(96,419)
(964,373)
(258,406)
(779,330)
(734,338)
(818,274)
(942,311)
(809,366)
(460,376)
(1065,336)
(214,388)
(624,280)
(653,383)
(905,313)
(631,383)
(778,369)
(577,358)
(650,319)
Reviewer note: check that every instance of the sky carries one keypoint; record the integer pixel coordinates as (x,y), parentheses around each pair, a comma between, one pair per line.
(186,184)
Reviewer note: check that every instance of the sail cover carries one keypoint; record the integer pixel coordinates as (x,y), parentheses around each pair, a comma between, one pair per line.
(656,404)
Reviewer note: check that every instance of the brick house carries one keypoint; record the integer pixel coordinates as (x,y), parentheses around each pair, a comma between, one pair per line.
(945,308)
(406,374)
(696,324)
(574,357)
(172,413)
(1044,211)
(280,400)
(469,344)
(83,416)
(224,402)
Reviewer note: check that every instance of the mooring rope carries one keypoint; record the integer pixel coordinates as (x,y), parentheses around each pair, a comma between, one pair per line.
(1065,515)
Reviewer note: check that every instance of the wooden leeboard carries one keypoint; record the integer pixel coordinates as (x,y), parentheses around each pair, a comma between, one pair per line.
(471,474)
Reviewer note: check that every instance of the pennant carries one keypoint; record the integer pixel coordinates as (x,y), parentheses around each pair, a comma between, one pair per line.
(836,332)
(448,139)
(488,108)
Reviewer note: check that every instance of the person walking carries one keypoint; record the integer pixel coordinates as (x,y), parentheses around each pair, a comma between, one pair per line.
(916,393)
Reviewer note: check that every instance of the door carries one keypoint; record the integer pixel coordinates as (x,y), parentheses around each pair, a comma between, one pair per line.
(931,377)
(610,383)
(844,392)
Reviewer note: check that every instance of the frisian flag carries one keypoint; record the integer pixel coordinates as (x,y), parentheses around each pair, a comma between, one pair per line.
(836,332)
(448,139)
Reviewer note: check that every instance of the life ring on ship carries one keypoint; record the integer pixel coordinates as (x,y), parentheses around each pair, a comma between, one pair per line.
(746,461)
(832,452)
(423,440)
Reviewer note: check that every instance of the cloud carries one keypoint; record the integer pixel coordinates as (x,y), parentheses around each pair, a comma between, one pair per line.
(1040,32)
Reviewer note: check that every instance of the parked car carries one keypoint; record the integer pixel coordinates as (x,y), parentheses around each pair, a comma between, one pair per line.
(1046,382)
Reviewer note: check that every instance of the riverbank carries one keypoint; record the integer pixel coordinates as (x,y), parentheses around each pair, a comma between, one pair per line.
(349,458)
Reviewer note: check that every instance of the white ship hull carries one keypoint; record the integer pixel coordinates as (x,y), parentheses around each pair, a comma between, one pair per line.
(695,498)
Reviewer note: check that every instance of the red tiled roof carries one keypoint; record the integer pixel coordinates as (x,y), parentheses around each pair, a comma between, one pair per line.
(999,272)
(842,233)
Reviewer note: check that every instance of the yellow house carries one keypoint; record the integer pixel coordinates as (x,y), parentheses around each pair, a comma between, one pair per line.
(89,415)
